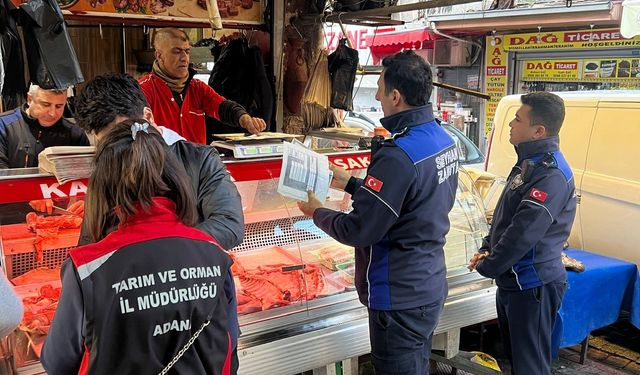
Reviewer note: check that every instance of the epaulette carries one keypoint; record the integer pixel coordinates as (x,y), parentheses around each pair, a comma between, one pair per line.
(528,165)
(549,161)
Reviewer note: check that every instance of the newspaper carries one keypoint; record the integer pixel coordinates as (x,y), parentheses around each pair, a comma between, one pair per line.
(67,163)
(303,170)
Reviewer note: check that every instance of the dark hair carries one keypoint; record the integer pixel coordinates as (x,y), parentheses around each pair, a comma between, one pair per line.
(107,96)
(547,109)
(411,75)
(129,173)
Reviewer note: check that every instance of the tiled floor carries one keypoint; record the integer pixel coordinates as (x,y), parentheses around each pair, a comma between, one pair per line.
(613,350)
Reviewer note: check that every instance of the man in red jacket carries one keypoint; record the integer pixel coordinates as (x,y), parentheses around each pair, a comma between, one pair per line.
(180,102)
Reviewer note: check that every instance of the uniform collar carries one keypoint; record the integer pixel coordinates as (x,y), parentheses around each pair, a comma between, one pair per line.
(162,210)
(411,117)
(540,146)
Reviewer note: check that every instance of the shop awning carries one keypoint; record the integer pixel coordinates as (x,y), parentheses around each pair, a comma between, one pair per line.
(387,43)
(630,23)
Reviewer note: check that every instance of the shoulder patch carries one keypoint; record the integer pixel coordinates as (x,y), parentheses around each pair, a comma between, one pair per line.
(538,195)
(373,183)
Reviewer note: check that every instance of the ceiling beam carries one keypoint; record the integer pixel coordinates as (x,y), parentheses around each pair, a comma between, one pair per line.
(386,11)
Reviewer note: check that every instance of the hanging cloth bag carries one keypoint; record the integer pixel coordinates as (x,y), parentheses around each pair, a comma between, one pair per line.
(343,64)
(316,111)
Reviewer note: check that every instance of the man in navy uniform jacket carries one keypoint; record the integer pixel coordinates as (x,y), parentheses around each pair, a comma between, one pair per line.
(531,223)
(400,219)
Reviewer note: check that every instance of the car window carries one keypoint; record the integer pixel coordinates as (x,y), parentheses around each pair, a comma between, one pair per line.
(469,152)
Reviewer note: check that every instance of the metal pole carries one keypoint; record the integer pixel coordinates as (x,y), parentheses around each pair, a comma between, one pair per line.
(461,90)
(335,17)
(277,43)
(124,49)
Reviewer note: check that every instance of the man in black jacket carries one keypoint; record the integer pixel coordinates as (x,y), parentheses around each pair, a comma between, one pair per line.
(111,98)
(25,132)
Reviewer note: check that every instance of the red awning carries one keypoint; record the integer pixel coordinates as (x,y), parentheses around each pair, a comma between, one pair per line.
(405,38)
(388,43)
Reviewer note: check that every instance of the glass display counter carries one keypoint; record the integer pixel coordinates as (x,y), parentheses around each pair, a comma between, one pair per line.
(298,307)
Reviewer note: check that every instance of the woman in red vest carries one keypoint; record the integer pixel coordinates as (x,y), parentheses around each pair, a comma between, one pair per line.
(147,297)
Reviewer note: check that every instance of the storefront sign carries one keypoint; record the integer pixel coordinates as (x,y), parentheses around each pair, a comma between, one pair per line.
(556,40)
(553,70)
(352,162)
(495,83)
(582,70)
(26,189)
(266,169)
(358,38)
(244,11)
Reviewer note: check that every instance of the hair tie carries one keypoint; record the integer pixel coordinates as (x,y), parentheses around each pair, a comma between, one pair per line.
(136,127)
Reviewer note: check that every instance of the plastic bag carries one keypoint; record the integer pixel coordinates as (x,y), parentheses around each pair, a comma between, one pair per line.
(52,60)
(343,64)
(316,110)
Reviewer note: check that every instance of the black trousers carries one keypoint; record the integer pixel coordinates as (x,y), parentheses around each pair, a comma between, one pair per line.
(401,339)
(526,320)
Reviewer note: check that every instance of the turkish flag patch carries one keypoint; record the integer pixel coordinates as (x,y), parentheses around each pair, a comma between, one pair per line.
(538,195)
(373,183)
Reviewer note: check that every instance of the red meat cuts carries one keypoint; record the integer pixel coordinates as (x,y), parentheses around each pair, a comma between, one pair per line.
(38,275)
(261,289)
(248,304)
(39,310)
(273,285)
(47,227)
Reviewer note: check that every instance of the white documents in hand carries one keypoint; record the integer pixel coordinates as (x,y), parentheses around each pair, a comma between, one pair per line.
(303,170)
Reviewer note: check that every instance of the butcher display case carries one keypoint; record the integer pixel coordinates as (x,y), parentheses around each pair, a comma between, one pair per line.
(297,304)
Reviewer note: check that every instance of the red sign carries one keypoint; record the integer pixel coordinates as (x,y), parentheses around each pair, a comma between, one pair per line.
(590,36)
(497,71)
(268,169)
(567,65)
(26,189)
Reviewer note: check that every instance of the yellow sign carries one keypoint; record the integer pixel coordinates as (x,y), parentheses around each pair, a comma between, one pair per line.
(495,83)
(552,70)
(592,39)
(582,70)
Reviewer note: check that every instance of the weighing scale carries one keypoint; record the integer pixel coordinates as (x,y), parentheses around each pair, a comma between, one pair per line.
(254,146)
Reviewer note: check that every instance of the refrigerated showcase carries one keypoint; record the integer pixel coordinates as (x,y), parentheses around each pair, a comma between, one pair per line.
(297,304)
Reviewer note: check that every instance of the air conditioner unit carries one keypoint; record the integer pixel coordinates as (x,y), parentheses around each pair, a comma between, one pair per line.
(426,54)
(449,52)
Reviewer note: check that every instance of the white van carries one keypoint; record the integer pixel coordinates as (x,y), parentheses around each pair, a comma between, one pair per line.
(600,138)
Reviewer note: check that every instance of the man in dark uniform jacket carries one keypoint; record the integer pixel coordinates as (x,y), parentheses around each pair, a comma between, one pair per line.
(25,132)
(399,220)
(531,223)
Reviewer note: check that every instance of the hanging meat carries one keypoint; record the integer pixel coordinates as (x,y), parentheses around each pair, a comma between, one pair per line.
(296,74)
(46,229)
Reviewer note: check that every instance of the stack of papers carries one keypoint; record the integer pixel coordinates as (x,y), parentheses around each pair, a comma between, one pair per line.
(303,170)
(67,162)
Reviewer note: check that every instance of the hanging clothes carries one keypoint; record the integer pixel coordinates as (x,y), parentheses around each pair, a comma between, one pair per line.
(343,63)
(52,60)
(14,88)
(239,75)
